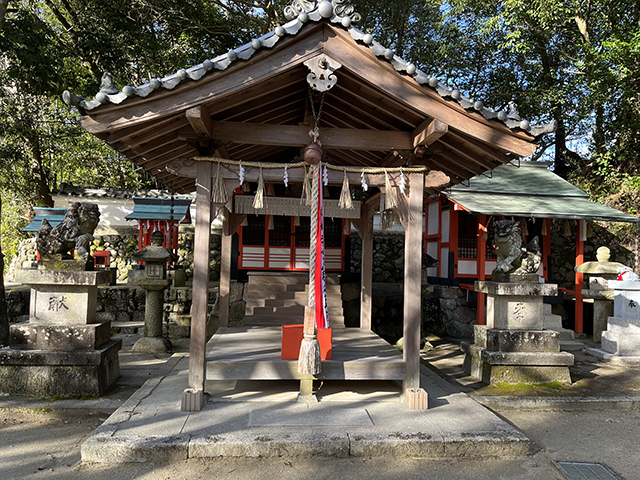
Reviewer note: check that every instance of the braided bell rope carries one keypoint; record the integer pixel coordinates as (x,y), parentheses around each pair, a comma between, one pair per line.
(313,235)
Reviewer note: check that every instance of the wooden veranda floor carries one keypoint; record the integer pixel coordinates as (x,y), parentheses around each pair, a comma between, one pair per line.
(253,353)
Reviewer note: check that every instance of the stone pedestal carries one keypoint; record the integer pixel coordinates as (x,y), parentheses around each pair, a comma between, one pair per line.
(513,347)
(62,350)
(620,343)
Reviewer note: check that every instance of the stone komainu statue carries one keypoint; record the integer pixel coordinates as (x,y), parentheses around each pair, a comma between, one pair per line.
(75,231)
(512,255)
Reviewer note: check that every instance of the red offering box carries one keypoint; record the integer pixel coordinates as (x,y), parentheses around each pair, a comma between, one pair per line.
(292,336)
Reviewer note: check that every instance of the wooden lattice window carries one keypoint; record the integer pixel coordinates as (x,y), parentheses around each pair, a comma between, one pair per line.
(280,235)
(467,235)
(253,232)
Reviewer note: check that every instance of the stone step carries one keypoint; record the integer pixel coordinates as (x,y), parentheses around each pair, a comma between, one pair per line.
(332,301)
(623,325)
(571,346)
(270,320)
(257,289)
(278,311)
(302,278)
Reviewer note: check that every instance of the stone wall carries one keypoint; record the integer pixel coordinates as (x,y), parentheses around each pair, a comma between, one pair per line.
(388,257)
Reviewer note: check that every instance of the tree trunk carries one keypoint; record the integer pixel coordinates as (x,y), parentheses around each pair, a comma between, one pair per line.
(4,312)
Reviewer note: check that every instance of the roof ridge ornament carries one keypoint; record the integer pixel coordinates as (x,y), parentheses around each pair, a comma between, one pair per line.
(342,9)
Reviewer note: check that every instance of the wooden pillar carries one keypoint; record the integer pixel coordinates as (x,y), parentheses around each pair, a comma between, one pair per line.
(366,278)
(413,282)
(192,398)
(482,253)
(364,226)
(225,272)
(581,236)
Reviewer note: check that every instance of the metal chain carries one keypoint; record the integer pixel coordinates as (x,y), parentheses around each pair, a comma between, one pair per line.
(316,118)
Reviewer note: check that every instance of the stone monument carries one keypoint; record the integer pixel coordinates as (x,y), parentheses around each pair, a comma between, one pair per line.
(621,341)
(513,347)
(599,273)
(62,350)
(154,282)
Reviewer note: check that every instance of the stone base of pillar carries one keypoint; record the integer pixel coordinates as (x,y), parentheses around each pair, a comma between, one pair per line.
(416,399)
(152,345)
(192,400)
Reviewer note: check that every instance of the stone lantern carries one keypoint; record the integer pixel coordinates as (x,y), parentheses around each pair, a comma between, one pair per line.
(154,282)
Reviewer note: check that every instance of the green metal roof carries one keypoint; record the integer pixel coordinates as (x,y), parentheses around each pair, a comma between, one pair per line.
(53,215)
(160,209)
(530,189)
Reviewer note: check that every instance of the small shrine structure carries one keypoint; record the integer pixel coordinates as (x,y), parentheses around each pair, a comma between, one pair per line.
(160,215)
(380,135)
(459,217)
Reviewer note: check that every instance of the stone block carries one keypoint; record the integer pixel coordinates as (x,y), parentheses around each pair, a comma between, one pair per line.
(507,288)
(625,344)
(623,325)
(60,374)
(513,368)
(515,312)
(60,338)
(626,302)
(63,304)
(522,340)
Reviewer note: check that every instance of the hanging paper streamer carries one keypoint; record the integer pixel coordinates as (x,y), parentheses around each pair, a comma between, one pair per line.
(544,226)
(218,192)
(322,317)
(258,201)
(403,184)
(271,225)
(245,223)
(296,221)
(363,182)
(345,201)
(347,227)
(240,173)
(390,195)
(325,176)
(286,177)
(525,230)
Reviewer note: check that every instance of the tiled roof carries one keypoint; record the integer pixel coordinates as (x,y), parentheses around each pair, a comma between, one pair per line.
(300,12)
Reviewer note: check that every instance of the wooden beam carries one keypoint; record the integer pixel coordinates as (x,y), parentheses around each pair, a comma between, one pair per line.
(413,283)
(197,345)
(200,121)
(428,132)
(298,136)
